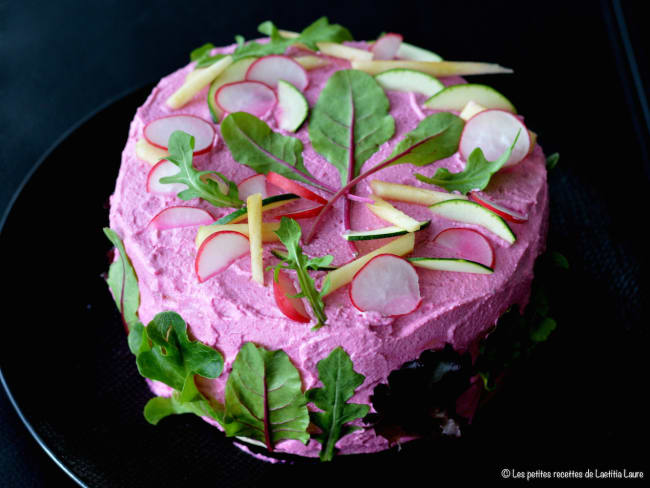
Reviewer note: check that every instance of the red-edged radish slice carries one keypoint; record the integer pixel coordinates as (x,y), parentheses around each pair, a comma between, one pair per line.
(283,291)
(466,244)
(251,185)
(494,131)
(181,216)
(292,187)
(387,284)
(386,46)
(157,132)
(160,170)
(218,251)
(271,69)
(253,97)
(506,213)
(307,213)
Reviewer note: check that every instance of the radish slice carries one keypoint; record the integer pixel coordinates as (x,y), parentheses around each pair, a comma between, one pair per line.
(181,216)
(246,96)
(506,213)
(494,131)
(218,251)
(284,291)
(161,169)
(271,69)
(157,132)
(292,187)
(386,46)
(466,244)
(302,214)
(387,284)
(251,185)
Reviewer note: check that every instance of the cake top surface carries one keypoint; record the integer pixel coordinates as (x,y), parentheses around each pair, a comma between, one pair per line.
(229,310)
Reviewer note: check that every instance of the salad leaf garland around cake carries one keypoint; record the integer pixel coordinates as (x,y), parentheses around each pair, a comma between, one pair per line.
(264,402)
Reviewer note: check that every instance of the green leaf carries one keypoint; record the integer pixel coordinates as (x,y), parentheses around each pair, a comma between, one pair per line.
(475,176)
(560,260)
(289,234)
(138,339)
(543,330)
(201,52)
(350,121)
(123,282)
(436,137)
(340,380)
(202,56)
(172,357)
(190,400)
(552,160)
(319,31)
(254,144)
(264,399)
(323,31)
(181,149)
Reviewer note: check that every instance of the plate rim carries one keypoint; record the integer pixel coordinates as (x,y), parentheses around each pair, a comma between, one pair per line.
(10,206)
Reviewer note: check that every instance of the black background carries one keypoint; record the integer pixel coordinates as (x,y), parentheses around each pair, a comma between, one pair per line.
(582,402)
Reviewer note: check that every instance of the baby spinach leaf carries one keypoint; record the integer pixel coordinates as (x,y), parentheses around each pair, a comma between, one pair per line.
(254,144)
(264,399)
(181,149)
(123,282)
(340,380)
(475,176)
(350,121)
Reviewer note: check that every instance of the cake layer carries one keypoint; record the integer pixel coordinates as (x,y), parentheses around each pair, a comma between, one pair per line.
(229,309)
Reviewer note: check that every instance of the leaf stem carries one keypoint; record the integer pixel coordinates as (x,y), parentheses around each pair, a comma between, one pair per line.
(346,189)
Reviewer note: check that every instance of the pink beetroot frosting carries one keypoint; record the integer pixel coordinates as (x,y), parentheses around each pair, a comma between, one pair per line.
(229,309)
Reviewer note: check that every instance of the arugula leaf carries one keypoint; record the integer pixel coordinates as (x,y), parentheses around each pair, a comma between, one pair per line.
(254,144)
(475,176)
(289,234)
(181,149)
(172,357)
(552,160)
(319,31)
(339,379)
(190,400)
(123,282)
(264,399)
(350,121)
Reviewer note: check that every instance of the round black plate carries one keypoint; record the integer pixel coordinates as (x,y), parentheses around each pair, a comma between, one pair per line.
(67,366)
